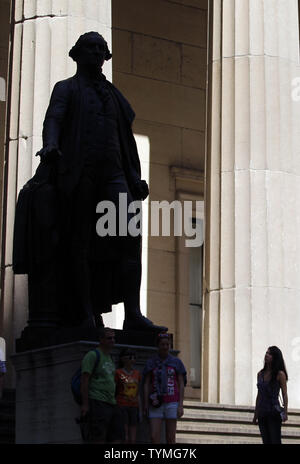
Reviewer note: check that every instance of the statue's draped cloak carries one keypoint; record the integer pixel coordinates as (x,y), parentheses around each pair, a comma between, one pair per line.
(44,205)
(65,123)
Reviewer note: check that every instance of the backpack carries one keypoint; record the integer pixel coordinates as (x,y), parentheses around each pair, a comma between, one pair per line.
(76,380)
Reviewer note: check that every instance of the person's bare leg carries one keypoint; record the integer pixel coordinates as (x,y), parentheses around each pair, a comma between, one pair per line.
(155,426)
(171,431)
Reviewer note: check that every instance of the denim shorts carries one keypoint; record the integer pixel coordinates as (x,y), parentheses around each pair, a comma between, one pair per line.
(165,411)
(2,367)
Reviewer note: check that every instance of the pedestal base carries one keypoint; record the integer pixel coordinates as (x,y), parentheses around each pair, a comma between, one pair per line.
(37,337)
(45,408)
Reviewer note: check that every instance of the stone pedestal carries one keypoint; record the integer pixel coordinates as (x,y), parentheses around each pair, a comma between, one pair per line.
(45,408)
(38,337)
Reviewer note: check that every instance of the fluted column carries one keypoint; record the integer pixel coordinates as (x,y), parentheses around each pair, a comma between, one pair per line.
(252,271)
(44,32)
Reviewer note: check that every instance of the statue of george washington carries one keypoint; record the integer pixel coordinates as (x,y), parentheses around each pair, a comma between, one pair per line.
(89,154)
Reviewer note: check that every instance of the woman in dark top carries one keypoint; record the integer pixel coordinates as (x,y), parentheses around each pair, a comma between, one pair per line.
(268,413)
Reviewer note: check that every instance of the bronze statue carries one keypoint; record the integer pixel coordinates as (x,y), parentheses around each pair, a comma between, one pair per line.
(89,154)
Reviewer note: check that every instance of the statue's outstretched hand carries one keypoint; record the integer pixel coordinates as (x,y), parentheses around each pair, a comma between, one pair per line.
(141,189)
(49,153)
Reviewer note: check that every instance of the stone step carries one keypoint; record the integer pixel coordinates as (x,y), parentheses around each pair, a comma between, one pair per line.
(203,439)
(230,429)
(197,405)
(230,416)
(206,423)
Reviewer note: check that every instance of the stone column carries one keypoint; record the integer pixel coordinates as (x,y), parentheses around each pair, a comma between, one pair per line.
(44,32)
(252,268)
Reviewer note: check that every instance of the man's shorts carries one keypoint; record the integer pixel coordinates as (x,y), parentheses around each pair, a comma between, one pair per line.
(130,415)
(165,411)
(105,422)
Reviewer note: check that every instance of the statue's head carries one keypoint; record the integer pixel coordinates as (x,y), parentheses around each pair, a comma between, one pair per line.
(90,49)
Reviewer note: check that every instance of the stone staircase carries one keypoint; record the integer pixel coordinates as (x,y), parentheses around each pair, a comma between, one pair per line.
(7,417)
(205,423)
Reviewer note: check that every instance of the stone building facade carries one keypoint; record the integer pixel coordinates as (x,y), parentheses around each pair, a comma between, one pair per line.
(211,83)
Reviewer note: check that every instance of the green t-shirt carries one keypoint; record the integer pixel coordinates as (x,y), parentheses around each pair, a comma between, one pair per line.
(102,383)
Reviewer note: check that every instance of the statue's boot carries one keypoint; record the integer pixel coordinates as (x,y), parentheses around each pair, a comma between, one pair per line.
(99,321)
(134,320)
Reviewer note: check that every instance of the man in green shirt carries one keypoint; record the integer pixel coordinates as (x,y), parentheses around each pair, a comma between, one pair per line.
(98,392)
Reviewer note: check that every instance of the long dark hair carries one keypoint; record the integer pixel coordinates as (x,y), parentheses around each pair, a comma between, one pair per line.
(278,363)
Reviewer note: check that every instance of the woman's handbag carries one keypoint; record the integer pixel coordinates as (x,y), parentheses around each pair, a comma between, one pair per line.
(279,408)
